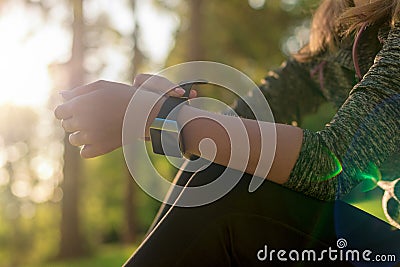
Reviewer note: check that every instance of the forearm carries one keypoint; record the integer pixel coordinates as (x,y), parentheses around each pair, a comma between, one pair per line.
(240,141)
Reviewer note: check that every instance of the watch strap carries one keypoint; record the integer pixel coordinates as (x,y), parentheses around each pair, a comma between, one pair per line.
(164,133)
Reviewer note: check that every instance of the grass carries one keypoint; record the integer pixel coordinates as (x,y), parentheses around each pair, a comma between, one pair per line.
(370,202)
(373,207)
(107,255)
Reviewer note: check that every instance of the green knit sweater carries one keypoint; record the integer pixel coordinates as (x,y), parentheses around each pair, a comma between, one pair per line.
(365,132)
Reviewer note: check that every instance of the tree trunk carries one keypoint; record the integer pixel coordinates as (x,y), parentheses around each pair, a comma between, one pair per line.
(130,233)
(130,221)
(195,49)
(72,242)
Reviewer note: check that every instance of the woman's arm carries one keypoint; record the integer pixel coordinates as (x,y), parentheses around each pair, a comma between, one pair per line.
(365,131)
(234,136)
(95,121)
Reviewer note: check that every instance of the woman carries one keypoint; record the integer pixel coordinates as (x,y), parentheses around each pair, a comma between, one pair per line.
(352,60)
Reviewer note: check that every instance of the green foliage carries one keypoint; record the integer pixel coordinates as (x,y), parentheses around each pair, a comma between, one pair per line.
(317,121)
(103,197)
(232,33)
(29,215)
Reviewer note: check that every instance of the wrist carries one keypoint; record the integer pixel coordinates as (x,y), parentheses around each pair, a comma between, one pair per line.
(153,115)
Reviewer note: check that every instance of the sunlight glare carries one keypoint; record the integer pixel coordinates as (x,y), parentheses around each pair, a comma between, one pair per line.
(41,192)
(3,158)
(28,46)
(21,188)
(44,169)
(4,177)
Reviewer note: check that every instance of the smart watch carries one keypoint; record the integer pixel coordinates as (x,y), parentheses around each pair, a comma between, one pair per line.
(164,130)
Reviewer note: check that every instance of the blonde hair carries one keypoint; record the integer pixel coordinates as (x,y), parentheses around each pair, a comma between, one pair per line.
(335,19)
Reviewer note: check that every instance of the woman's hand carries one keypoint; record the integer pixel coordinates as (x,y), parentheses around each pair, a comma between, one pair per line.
(94,113)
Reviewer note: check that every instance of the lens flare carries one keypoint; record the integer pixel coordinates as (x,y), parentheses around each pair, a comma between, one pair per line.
(370,178)
(334,170)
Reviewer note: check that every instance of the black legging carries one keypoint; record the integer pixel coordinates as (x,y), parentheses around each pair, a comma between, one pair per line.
(232,230)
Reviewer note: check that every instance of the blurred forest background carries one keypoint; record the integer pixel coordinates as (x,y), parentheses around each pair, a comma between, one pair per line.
(57,209)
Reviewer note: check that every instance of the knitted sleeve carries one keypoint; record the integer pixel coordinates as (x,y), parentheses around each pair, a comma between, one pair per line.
(364,132)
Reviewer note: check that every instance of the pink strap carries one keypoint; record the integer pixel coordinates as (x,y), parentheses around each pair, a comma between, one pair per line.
(355,46)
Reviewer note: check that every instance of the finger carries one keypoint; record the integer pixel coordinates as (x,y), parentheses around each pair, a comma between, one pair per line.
(177,92)
(63,111)
(92,151)
(79,138)
(154,83)
(84,89)
(66,95)
(193,94)
(70,125)
(140,79)
(88,152)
